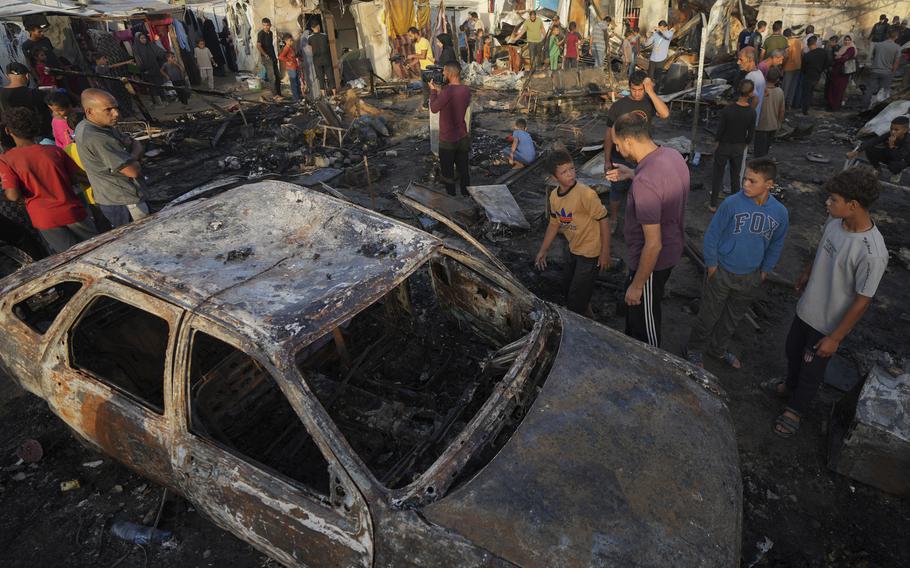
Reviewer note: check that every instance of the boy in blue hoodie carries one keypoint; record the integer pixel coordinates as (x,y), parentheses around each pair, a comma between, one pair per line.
(742,245)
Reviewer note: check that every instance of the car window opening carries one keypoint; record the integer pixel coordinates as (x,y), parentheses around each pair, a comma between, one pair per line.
(423,361)
(124,347)
(235,402)
(39,311)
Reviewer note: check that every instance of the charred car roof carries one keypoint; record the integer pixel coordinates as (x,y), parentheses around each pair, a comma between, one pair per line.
(280,260)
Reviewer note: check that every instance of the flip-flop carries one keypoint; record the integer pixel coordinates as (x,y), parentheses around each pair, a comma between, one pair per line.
(771,387)
(730,359)
(695,358)
(786,427)
(817,158)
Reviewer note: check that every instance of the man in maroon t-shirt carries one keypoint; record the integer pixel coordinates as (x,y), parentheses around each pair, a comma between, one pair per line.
(654,227)
(451,102)
(42,176)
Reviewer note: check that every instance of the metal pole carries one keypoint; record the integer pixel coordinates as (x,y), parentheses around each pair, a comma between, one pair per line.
(698,83)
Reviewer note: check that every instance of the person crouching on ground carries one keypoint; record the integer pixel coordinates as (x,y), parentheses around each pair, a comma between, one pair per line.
(577,212)
(522,151)
(451,101)
(735,129)
(742,245)
(837,289)
(891,148)
(43,176)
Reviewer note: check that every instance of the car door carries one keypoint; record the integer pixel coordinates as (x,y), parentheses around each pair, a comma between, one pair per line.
(247,460)
(109,368)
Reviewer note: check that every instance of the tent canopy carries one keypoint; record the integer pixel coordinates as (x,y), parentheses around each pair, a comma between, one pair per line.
(109,8)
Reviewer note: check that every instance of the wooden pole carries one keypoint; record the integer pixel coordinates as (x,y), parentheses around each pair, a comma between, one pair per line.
(366,168)
(698,84)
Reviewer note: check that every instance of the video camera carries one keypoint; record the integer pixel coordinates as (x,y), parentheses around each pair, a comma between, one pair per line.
(433,74)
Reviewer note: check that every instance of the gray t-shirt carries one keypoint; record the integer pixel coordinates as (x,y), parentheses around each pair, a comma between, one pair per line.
(846,264)
(104,152)
(883,56)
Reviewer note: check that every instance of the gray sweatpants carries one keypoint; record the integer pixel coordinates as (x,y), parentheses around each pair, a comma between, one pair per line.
(59,239)
(724,302)
(874,83)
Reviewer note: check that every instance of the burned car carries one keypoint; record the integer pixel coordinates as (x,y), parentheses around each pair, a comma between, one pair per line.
(338,388)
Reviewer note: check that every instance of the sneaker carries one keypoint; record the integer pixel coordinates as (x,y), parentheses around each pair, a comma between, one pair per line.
(896,178)
(728,190)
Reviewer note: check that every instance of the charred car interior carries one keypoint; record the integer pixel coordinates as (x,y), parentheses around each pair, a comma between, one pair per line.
(405,376)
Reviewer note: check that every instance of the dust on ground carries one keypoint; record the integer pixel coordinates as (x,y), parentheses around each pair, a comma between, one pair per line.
(796,511)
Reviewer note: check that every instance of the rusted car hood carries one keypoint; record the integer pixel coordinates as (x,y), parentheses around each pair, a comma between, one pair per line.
(623,460)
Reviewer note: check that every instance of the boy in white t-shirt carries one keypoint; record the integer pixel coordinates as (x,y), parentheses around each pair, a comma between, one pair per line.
(837,289)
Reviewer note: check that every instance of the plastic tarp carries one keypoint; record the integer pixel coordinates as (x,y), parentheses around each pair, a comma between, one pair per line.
(373,36)
(399,16)
(882,121)
(113,8)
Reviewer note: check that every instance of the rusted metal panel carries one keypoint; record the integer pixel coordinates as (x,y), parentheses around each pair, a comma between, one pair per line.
(499,205)
(610,466)
(277,259)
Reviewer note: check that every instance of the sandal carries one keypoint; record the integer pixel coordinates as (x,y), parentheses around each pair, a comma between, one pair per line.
(772,386)
(695,358)
(730,359)
(786,427)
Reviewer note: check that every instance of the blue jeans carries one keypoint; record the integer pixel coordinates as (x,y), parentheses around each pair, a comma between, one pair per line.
(294,80)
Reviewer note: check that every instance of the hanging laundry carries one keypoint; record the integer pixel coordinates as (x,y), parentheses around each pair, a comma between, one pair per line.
(180,32)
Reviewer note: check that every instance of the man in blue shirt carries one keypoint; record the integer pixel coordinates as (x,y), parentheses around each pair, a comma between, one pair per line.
(742,245)
(659,40)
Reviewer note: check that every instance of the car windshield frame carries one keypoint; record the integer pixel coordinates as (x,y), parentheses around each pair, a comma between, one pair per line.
(452,459)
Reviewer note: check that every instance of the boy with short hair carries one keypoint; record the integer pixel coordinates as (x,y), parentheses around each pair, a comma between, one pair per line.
(522,151)
(742,245)
(177,76)
(555,49)
(572,40)
(837,290)
(577,212)
(772,115)
(205,61)
(42,176)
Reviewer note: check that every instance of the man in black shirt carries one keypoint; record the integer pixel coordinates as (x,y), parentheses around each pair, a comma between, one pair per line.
(757,38)
(37,39)
(265,43)
(815,63)
(734,132)
(880,30)
(19,94)
(322,58)
(641,100)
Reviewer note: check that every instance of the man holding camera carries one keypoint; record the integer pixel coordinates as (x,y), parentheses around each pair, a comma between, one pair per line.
(452,101)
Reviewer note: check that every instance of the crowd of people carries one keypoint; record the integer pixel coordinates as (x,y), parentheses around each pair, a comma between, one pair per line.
(76,173)
(744,239)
